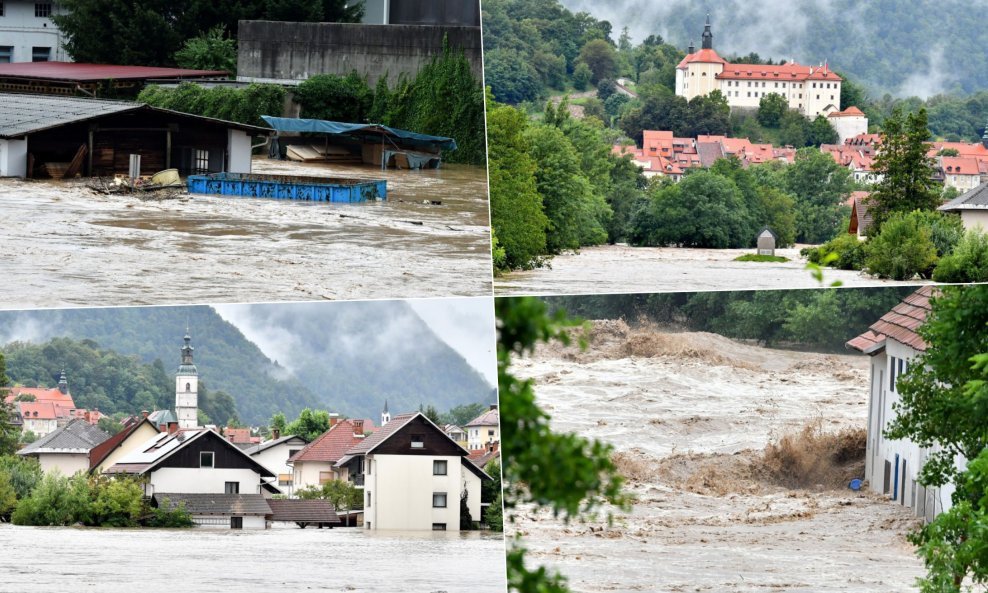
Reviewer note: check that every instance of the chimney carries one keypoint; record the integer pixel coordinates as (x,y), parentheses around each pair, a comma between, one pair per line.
(358,427)
(275,434)
(493,406)
(334,419)
(144,413)
(172,427)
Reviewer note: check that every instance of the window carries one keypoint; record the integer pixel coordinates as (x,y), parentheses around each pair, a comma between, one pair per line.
(285,479)
(202,161)
(438,500)
(369,463)
(368,498)
(325,477)
(205,459)
(490,433)
(1,7)
(188,387)
(439,527)
(439,467)
(893,367)
(417,441)
(42,9)
(6,54)
(231,488)
(40,54)
(292,452)
(236,522)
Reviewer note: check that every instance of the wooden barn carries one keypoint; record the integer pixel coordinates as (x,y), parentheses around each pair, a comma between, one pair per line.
(60,137)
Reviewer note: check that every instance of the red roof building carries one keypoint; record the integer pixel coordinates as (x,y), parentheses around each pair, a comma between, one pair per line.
(68,78)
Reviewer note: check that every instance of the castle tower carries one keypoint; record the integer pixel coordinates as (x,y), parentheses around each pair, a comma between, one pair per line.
(385,415)
(63,384)
(708,36)
(187,388)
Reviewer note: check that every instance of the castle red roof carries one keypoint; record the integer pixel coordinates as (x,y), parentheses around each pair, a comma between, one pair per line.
(849,112)
(704,56)
(782,72)
(42,394)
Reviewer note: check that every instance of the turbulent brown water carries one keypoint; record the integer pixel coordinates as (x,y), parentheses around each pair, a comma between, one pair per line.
(691,416)
(121,250)
(619,268)
(56,560)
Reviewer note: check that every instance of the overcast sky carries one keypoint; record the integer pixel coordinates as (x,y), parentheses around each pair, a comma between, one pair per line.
(467,325)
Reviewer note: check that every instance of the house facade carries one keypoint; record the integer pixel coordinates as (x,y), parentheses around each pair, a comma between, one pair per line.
(810,90)
(413,477)
(274,455)
(133,435)
(972,206)
(27,33)
(66,450)
(315,464)
(484,430)
(892,467)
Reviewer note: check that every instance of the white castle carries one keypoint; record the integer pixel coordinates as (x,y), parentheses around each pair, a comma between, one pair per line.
(811,91)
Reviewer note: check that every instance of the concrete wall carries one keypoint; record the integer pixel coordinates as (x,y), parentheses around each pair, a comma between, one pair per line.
(276,52)
(66,463)
(22,31)
(306,473)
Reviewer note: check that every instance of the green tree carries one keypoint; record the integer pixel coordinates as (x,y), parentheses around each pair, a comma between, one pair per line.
(601,58)
(309,424)
(516,206)
(461,415)
(335,98)
(906,170)
(116,502)
(56,500)
(820,186)
(279,423)
(212,50)
(431,413)
(968,262)
(582,76)
(561,471)
(771,108)
(8,497)
(8,432)
(24,474)
(902,250)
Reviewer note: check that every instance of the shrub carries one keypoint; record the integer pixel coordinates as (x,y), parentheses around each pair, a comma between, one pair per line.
(165,518)
(968,262)
(245,105)
(903,249)
(56,500)
(335,98)
(850,252)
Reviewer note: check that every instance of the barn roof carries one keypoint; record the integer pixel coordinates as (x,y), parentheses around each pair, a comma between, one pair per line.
(215,504)
(22,114)
(308,511)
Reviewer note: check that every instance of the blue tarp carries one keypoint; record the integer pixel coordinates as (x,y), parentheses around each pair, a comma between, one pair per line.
(361,132)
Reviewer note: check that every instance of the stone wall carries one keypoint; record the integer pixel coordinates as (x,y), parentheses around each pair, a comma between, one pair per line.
(279,51)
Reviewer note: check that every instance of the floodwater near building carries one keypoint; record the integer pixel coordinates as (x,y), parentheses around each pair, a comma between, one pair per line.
(689,415)
(123,250)
(53,560)
(619,268)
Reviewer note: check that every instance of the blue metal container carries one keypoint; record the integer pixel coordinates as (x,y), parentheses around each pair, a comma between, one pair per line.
(289,187)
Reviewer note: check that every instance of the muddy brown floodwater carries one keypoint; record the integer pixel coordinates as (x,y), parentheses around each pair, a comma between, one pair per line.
(121,250)
(280,560)
(619,268)
(687,413)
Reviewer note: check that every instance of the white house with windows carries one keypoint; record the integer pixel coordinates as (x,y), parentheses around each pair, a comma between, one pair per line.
(413,477)
(274,455)
(27,33)
(484,430)
(892,466)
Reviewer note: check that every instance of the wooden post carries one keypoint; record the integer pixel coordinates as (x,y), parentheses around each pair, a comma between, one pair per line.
(168,148)
(89,167)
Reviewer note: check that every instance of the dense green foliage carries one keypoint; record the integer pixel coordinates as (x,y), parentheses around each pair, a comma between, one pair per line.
(8,432)
(561,471)
(813,319)
(968,262)
(903,249)
(661,109)
(96,501)
(907,172)
(244,105)
(844,252)
(23,473)
(444,99)
(212,50)
(343,495)
(490,492)
(150,32)
(348,379)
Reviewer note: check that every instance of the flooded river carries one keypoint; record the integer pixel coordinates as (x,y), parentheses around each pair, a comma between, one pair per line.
(56,560)
(688,414)
(618,268)
(121,250)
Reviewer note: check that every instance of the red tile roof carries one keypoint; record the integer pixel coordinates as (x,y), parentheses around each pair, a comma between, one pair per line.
(42,411)
(237,435)
(849,112)
(958,165)
(704,56)
(781,72)
(899,324)
(330,445)
(42,394)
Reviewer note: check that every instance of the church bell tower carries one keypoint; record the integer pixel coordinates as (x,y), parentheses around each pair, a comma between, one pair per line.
(187,388)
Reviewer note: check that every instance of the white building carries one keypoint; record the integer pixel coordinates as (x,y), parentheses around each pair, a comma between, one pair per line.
(315,464)
(848,123)
(413,477)
(274,455)
(892,467)
(810,90)
(66,450)
(27,33)
(972,206)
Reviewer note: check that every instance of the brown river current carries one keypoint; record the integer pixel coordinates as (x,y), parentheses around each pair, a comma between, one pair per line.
(56,560)
(121,250)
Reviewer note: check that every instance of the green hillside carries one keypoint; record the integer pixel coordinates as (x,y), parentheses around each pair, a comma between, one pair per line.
(352,373)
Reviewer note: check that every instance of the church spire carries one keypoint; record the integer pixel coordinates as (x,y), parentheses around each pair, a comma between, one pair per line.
(691,49)
(708,36)
(187,388)
(385,415)
(63,384)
